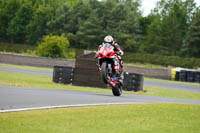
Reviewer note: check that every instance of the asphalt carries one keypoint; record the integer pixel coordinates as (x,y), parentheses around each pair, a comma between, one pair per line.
(20,97)
(151,83)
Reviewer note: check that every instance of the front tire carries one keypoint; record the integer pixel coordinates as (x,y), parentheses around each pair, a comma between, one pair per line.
(104,72)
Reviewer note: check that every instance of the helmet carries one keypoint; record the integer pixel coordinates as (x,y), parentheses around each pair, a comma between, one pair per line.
(109,39)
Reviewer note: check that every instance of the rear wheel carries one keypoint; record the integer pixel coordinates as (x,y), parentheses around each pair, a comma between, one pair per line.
(104,72)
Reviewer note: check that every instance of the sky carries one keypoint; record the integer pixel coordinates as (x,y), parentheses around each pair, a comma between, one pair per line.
(147,5)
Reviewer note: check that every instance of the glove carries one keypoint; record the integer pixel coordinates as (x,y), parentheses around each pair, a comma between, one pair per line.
(118,52)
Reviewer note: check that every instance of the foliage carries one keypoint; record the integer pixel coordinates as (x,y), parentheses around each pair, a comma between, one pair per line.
(8,8)
(37,27)
(70,53)
(53,46)
(17,26)
(166,31)
(193,39)
(162,60)
(16,48)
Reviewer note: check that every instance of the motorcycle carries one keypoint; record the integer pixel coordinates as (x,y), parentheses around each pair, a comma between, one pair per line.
(110,75)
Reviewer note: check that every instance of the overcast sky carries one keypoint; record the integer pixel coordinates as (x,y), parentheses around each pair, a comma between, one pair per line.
(147,5)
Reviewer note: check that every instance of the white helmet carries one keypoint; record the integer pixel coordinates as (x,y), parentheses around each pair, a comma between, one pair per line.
(109,39)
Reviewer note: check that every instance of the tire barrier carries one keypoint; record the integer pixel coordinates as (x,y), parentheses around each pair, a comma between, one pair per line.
(197,77)
(177,76)
(62,74)
(187,75)
(190,76)
(183,76)
(133,81)
(86,72)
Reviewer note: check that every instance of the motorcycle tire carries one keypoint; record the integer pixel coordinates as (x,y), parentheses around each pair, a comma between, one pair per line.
(104,72)
(117,91)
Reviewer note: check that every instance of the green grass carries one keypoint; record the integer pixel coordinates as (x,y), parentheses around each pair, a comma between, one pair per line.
(17,48)
(172,93)
(170,81)
(26,67)
(137,118)
(37,81)
(146,65)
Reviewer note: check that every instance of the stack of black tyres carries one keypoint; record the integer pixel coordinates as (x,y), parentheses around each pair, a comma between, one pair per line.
(177,76)
(190,76)
(62,74)
(197,77)
(133,81)
(183,75)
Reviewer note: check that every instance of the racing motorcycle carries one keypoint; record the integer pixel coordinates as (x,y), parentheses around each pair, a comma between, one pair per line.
(111,76)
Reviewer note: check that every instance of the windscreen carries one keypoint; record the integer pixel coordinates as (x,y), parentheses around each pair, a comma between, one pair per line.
(106,45)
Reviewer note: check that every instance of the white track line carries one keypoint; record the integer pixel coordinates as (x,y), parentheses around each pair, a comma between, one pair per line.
(67,106)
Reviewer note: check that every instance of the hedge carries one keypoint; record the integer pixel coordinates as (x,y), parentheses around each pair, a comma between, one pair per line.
(162,60)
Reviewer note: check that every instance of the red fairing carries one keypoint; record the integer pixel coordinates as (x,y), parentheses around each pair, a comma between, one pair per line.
(106,52)
(113,82)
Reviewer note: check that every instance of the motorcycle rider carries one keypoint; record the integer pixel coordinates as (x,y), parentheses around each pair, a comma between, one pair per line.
(109,39)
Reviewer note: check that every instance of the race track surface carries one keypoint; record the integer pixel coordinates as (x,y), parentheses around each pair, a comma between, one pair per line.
(19,97)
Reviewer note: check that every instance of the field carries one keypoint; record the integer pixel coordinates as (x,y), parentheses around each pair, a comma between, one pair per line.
(138,118)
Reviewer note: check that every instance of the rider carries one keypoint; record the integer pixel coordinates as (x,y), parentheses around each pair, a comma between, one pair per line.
(118,51)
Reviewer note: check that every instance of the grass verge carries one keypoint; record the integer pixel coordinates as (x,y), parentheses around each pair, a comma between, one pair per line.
(145,65)
(26,67)
(37,81)
(137,118)
(170,81)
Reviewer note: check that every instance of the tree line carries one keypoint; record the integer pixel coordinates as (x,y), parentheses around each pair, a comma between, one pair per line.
(172,28)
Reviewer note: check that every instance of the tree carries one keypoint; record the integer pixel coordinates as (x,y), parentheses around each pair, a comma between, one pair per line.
(76,17)
(152,42)
(8,8)
(17,27)
(61,18)
(173,29)
(37,27)
(193,39)
(174,22)
(90,33)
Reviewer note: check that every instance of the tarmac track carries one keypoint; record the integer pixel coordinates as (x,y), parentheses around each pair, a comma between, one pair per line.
(21,98)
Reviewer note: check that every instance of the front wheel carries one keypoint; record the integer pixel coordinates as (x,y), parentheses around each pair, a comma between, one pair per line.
(104,72)
(117,91)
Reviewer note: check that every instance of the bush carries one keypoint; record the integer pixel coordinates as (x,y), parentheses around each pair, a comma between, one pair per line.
(161,60)
(53,46)
(70,53)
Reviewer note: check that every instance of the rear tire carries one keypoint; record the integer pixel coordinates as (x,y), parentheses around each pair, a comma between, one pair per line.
(104,72)
(117,91)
